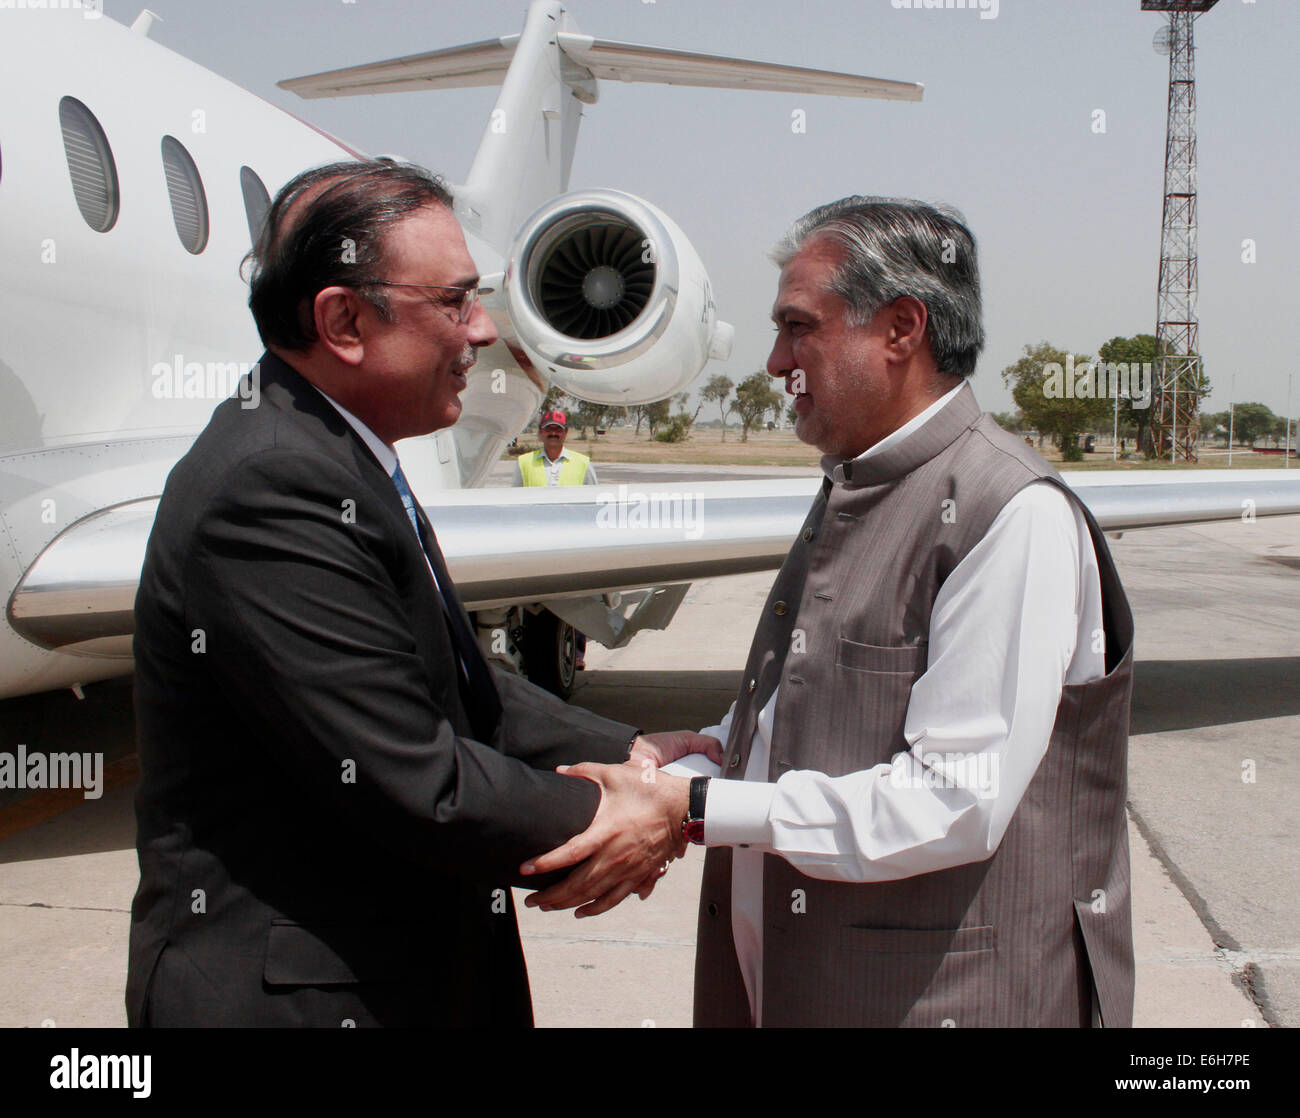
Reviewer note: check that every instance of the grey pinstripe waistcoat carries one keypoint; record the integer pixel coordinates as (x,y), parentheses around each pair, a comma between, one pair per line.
(1022,938)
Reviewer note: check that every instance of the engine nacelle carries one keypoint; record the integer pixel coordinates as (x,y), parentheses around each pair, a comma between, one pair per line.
(610,301)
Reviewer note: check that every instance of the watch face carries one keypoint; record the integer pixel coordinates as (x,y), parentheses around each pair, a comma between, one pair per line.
(694,831)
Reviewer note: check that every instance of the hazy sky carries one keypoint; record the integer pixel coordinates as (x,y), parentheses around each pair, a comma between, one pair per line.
(1067,218)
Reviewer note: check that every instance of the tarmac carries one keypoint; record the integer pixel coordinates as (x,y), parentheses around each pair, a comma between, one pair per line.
(1214,810)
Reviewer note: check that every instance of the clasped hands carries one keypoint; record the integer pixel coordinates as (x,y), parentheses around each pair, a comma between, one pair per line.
(636,832)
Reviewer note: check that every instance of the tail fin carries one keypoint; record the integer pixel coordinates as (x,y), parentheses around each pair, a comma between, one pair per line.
(547,73)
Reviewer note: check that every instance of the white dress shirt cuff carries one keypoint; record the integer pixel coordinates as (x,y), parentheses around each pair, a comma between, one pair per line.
(692,765)
(737,812)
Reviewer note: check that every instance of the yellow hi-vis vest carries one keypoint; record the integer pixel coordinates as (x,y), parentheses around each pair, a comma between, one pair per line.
(573,468)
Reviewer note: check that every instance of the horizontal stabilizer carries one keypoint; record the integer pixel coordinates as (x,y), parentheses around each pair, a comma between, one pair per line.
(486,63)
(629,62)
(474,64)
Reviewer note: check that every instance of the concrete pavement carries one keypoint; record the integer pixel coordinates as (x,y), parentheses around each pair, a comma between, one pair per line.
(1215,893)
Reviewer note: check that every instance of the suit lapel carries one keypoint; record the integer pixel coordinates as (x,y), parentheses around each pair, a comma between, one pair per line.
(482,702)
(302,404)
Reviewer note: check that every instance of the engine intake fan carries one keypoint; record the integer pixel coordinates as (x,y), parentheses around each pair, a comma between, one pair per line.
(594,277)
(610,300)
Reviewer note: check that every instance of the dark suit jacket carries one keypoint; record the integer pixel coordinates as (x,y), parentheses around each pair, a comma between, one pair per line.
(321,839)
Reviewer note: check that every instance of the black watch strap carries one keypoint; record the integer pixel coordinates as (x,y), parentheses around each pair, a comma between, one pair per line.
(693,824)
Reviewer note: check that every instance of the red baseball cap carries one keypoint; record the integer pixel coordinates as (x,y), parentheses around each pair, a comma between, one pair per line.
(553,418)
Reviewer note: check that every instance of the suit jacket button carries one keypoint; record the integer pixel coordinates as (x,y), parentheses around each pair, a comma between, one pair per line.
(779,609)
(712,909)
(750,686)
(807,534)
(735,761)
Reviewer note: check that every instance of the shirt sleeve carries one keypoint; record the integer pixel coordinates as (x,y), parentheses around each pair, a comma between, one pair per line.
(518,479)
(696,764)
(1004,630)
(590,479)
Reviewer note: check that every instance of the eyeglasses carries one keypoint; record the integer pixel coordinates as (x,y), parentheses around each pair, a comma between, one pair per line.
(464,309)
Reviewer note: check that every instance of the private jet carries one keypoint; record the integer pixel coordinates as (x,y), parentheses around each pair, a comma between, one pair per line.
(126,206)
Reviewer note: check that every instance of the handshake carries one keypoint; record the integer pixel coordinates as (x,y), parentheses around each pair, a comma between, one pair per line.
(636,832)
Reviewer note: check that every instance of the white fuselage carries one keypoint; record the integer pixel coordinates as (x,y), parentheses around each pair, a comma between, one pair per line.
(115,346)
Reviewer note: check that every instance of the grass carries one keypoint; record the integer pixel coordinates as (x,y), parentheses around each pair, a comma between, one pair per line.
(704,447)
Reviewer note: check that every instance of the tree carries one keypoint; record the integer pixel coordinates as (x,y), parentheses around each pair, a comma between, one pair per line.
(1056,393)
(717,391)
(585,414)
(754,399)
(553,399)
(1252,421)
(1211,421)
(657,414)
(790,414)
(675,430)
(1138,353)
(1009,421)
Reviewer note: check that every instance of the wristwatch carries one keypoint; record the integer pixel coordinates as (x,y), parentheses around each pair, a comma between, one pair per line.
(693,824)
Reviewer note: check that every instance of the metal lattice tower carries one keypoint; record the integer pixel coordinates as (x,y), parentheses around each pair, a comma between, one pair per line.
(1177,389)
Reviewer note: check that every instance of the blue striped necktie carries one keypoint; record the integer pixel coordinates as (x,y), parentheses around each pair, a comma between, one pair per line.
(408,499)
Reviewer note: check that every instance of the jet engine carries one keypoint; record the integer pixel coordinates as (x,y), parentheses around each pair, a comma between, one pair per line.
(610,301)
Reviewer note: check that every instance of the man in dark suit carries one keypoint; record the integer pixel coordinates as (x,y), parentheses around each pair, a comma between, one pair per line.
(336,791)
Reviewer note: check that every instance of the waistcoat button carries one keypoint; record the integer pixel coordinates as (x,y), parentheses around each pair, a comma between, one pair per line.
(807,534)
(751,686)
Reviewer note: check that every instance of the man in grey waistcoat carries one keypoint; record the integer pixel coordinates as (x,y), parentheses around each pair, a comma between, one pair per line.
(919,819)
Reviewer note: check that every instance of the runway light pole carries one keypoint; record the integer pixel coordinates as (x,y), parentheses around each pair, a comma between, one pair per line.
(1114,434)
(1114,437)
(1287,458)
(1232,413)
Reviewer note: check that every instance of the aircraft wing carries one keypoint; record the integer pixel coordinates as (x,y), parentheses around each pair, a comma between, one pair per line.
(1127,499)
(527,545)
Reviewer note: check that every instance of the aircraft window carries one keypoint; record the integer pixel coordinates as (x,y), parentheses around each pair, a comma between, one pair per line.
(90,165)
(185,189)
(256,201)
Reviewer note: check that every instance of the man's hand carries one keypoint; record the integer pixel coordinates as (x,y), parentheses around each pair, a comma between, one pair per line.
(673,745)
(636,832)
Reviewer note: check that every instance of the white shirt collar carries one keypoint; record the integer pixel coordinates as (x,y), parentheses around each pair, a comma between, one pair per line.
(386,454)
(833,465)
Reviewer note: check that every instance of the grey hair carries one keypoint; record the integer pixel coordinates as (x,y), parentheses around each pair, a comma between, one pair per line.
(895,247)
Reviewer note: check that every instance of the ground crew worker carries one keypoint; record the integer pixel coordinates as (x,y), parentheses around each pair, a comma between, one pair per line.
(553,465)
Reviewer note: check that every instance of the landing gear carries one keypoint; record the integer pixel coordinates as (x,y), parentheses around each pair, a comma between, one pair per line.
(550,650)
